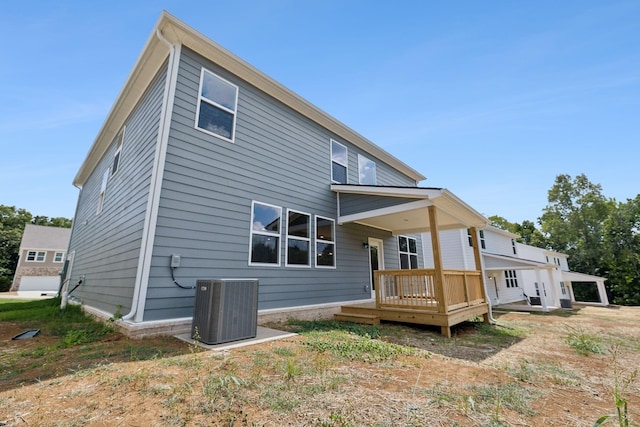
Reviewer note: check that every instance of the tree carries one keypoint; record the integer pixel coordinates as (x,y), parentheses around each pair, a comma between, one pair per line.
(622,244)
(12,222)
(573,221)
(527,231)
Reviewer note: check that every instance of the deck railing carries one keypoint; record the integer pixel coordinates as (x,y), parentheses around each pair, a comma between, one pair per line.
(417,289)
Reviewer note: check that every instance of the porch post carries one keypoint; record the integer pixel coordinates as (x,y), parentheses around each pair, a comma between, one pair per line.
(438,279)
(478,260)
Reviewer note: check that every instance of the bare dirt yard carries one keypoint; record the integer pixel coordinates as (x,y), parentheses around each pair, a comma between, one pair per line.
(555,369)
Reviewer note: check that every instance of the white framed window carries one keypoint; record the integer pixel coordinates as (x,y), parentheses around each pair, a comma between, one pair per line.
(339,158)
(563,288)
(58,257)
(265,234)
(511,279)
(513,247)
(482,242)
(217,103)
(103,190)
(115,165)
(366,171)
(408,250)
(325,242)
(298,239)
(36,256)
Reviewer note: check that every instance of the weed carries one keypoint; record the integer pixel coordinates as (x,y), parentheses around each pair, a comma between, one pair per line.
(582,342)
(622,380)
(284,351)
(291,369)
(352,347)
(510,395)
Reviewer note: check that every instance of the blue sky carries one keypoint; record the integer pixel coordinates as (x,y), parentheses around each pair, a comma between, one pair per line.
(490,99)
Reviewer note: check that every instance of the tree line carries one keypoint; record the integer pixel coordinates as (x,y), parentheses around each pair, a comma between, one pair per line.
(600,235)
(12,223)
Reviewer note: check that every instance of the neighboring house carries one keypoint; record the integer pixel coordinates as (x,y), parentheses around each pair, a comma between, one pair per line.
(206,168)
(41,258)
(516,272)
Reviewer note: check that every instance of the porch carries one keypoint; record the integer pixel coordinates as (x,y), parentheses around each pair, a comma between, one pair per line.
(422,296)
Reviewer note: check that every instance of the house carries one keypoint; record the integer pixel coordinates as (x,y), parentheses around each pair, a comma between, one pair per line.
(41,258)
(516,272)
(206,168)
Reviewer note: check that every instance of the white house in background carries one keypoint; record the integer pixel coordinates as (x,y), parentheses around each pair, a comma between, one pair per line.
(515,272)
(41,258)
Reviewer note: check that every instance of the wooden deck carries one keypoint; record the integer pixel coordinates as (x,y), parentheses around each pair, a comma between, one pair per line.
(423,297)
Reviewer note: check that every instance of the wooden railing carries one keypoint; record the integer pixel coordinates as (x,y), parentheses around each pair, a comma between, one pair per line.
(417,289)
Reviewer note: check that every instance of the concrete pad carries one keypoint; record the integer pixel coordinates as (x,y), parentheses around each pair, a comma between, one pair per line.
(262,335)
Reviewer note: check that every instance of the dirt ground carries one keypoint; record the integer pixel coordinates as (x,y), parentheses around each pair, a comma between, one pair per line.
(531,379)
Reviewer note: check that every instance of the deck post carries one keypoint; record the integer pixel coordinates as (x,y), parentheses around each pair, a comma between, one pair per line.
(438,279)
(478,261)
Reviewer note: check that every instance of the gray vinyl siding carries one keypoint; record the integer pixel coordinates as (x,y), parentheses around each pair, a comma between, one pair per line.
(107,246)
(279,158)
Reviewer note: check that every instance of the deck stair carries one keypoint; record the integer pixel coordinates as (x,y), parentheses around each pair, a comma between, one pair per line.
(369,319)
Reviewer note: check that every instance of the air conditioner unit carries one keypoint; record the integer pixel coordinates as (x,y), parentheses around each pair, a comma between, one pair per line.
(225,310)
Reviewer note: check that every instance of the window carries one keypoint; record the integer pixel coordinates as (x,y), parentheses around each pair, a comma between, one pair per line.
(513,246)
(36,256)
(563,288)
(265,234)
(58,257)
(298,239)
(116,157)
(469,237)
(511,279)
(217,101)
(408,249)
(338,162)
(103,189)
(482,244)
(366,171)
(325,242)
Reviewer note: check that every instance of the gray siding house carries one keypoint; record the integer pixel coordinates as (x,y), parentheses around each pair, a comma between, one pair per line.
(206,168)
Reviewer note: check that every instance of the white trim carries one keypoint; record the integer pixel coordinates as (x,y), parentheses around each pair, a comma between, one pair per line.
(61,256)
(331,242)
(153,201)
(215,104)
(119,141)
(380,244)
(103,191)
(345,164)
(265,233)
(303,239)
(362,161)
(35,257)
(407,252)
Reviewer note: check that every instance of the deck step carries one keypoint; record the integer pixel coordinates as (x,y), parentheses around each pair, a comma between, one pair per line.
(369,319)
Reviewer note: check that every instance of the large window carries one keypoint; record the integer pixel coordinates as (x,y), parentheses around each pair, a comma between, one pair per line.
(511,279)
(118,154)
(36,256)
(325,242)
(338,162)
(265,234)
(408,249)
(366,171)
(217,101)
(298,239)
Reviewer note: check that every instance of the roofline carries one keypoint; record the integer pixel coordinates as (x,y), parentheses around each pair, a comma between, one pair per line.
(154,55)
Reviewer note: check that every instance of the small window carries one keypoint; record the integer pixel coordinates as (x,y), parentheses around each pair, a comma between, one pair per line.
(408,249)
(117,156)
(513,247)
(265,234)
(103,190)
(217,101)
(366,171)
(482,244)
(58,257)
(298,239)
(338,162)
(563,288)
(325,242)
(511,279)
(469,237)
(36,256)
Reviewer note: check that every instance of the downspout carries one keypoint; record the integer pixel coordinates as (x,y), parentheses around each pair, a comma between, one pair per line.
(148,233)
(64,287)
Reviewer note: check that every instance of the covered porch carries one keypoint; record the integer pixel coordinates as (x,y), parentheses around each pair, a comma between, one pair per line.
(433,296)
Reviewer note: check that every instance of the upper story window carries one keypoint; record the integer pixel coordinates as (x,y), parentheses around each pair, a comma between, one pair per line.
(217,102)
(325,242)
(103,190)
(366,171)
(408,249)
(338,162)
(116,157)
(513,247)
(58,257)
(36,256)
(470,238)
(511,278)
(298,239)
(265,234)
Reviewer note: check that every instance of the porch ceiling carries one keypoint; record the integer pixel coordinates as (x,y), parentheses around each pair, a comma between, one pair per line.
(410,214)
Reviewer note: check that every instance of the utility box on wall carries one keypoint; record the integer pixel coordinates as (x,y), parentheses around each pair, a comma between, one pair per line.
(225,310)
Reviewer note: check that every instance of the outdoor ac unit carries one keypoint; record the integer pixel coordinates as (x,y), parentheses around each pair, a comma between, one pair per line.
(225,310)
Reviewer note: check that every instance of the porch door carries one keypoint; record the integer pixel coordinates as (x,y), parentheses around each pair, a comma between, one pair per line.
(376,260)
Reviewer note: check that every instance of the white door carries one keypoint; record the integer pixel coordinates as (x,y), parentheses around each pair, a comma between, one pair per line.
(376,260)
